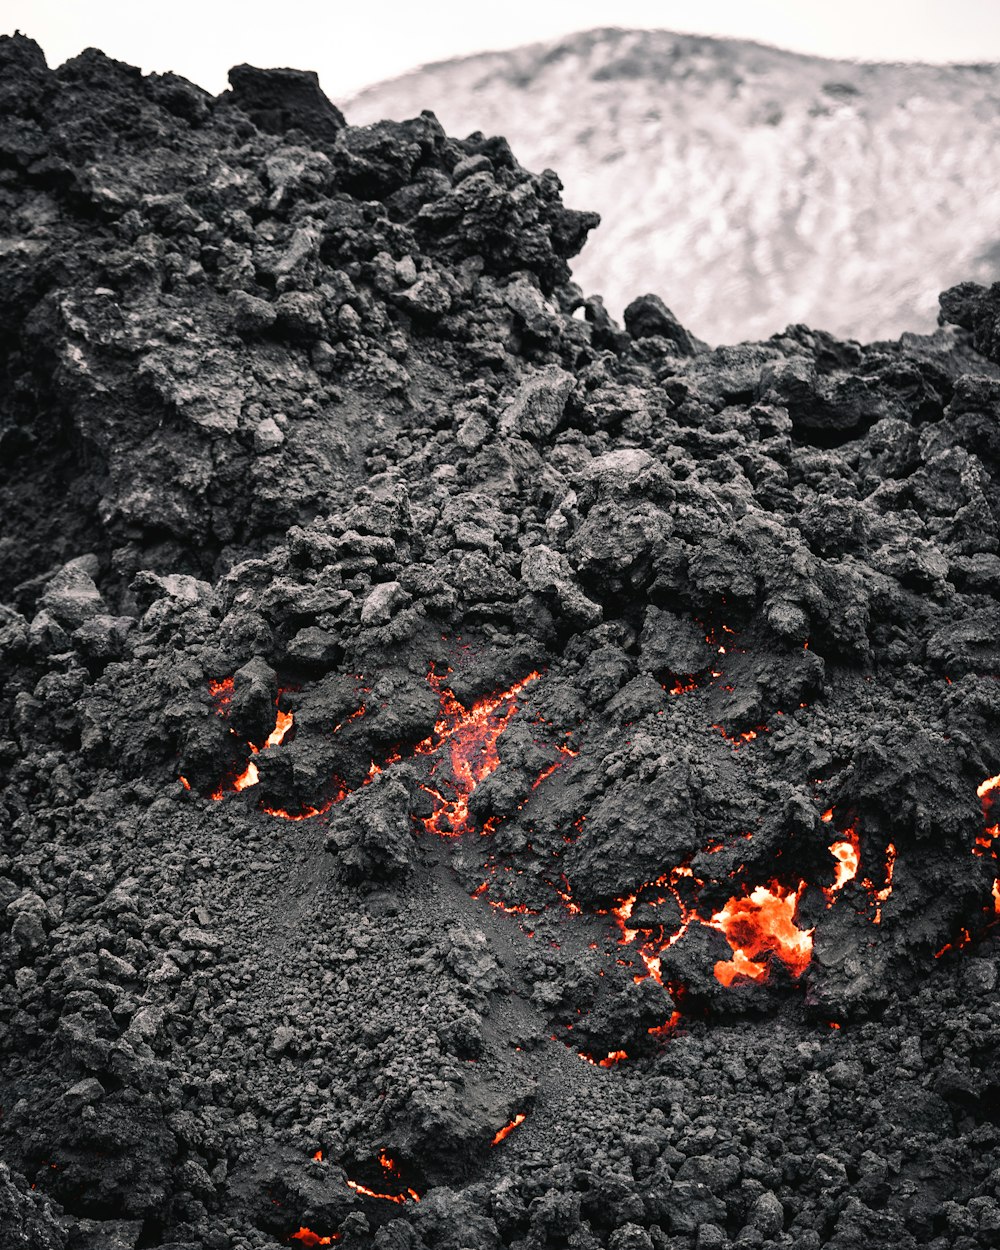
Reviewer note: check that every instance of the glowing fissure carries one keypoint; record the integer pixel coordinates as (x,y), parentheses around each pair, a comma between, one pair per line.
(507,1129)
(470,735)
(221,693)
(388,1166)
(755,925)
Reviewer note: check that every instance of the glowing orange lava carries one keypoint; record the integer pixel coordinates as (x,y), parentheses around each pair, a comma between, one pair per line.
(390,1168)
(988,786)
(847,852)
(307,813)
(762,923)
(472,735)
(667,1027)
(507,1129)
(738,739)
(282,724)
(987,791)
(371,1193)
(612,1058)
(222,695)
(880,896)
(308,1238)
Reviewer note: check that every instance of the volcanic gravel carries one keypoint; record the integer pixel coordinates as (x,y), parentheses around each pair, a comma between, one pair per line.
(473,775)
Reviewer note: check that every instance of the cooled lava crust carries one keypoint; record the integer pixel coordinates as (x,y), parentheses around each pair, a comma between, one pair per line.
(474,775)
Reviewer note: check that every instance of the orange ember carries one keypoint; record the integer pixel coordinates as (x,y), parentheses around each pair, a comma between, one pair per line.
(737,740)
(471,735)
(880,896)
(508,1128)
(221,692)
(307,813)
(390,1168)
(760,924)
(318,1156)
(987,791)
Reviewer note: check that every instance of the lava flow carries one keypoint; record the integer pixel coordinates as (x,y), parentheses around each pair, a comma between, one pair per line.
(987,791)
(612,1058)
(847,852)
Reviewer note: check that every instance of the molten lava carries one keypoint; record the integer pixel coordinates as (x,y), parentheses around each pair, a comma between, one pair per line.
(308,1238)
(471,735)
(987,791)
(847,852)
(222,695)
(667,1027)
(507,1129)
(760,924)
(880,896)
(987,787)
(282,724)
(612,1058)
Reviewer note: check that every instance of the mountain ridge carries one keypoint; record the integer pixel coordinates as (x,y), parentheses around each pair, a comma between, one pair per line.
(744,183)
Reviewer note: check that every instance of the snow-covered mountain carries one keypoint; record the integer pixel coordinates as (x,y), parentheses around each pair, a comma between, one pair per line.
(748,186)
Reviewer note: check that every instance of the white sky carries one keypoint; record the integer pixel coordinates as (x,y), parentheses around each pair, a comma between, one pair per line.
(358,42)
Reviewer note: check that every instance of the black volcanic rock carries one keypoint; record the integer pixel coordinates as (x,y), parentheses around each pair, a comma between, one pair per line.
(456,749)
(277,100)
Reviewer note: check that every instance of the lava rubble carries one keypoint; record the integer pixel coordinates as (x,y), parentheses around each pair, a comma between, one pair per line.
(474,775)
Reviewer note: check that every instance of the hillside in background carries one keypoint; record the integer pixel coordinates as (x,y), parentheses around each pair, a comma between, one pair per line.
(747,186)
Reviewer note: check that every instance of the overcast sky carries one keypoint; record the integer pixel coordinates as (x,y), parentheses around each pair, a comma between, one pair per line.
(363,41)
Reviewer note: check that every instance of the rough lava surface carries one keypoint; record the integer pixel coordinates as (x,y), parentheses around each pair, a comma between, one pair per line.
(474,775)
